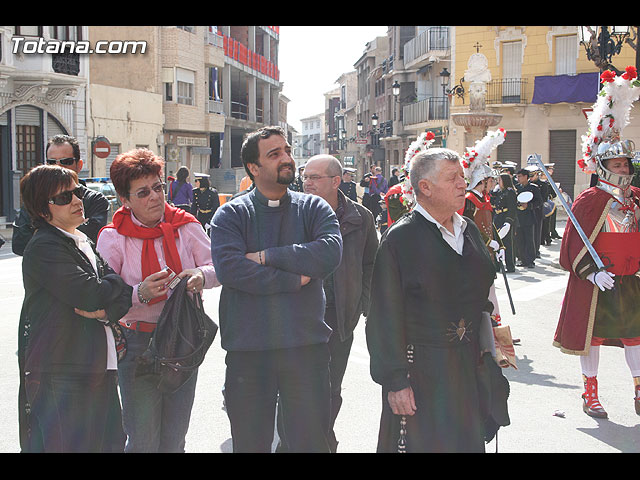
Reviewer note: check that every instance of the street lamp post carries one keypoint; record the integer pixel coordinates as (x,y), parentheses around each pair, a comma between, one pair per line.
(601,43)
(457,90)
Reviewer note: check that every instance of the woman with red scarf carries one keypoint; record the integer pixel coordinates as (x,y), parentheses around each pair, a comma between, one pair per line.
(147,235)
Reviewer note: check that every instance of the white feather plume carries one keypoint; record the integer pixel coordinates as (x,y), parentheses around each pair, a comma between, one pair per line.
(611,113)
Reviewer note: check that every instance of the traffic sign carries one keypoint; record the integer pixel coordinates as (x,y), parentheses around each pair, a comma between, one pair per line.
(101,147)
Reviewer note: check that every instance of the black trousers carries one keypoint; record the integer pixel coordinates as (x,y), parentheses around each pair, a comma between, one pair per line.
(298,378)
(526,244)
(509,253)
(339,351)
(538,230)
(74,413)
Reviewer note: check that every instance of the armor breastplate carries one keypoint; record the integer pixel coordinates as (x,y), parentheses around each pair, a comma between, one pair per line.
(622,217)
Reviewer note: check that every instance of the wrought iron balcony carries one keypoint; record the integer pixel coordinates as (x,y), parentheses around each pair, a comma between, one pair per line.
(506,90)
(433,108)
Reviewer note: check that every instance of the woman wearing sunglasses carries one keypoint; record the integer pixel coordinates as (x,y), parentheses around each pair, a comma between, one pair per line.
(147,235)
(70,341)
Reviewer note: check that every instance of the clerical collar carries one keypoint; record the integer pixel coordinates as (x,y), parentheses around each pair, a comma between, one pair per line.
(272,203)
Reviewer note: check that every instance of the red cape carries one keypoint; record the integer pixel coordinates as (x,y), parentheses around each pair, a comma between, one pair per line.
(575,326)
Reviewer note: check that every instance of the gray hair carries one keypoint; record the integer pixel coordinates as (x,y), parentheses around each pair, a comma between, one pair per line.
(427,165)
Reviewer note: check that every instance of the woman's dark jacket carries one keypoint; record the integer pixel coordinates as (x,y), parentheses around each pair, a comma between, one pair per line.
(52,338)
(57,277)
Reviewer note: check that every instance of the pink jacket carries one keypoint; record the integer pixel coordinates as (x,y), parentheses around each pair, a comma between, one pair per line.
(124,255)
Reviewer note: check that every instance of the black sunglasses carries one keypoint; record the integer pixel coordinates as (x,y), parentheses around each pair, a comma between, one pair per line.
(64,198)
(61,161)
(145,192)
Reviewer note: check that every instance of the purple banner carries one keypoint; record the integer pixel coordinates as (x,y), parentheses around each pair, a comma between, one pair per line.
(583,87)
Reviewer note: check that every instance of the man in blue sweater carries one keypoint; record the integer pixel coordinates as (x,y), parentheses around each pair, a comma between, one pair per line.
(272,248)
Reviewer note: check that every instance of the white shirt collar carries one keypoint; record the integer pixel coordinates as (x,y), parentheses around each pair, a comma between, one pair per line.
(77,236)
(455,239)
(83,245)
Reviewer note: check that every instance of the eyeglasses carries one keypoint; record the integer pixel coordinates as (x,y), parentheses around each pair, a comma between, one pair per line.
(315,178)
(64,198)
(61,161)
(146,191)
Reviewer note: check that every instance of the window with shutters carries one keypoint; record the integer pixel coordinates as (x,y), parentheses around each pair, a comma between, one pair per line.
(186,82)
(566,54)
(511,71)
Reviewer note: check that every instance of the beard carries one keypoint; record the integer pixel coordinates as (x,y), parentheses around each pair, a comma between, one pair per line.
(285,177)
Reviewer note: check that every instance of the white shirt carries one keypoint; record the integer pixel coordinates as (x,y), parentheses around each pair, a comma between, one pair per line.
(81,242)
(455,239)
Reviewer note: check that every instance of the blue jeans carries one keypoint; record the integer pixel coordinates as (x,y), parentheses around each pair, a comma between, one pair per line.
(74,413)
(153,421)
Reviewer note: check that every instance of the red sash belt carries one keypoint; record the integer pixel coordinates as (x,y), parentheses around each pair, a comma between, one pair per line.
(620,249)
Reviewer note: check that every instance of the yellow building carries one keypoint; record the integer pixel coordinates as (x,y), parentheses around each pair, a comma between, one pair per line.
(543,85)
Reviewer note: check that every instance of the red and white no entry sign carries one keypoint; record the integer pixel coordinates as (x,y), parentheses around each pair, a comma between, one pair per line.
(101,147)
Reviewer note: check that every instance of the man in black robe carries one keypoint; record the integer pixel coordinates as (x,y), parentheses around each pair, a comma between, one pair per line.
(429,324)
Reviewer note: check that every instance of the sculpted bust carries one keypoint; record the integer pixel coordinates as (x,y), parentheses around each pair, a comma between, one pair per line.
(478,75)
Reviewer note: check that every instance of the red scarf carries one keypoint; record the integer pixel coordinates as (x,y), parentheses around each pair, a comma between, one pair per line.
(174,218)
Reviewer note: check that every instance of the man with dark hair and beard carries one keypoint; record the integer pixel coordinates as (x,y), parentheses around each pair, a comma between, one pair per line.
(272,248)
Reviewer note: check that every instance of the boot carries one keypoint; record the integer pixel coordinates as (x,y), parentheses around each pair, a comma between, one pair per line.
(591,405)
(636,401)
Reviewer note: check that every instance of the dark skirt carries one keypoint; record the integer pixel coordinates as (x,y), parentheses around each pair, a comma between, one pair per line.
(448,416)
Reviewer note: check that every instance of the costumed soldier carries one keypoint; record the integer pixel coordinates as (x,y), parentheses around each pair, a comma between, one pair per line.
(525,234)
(478,208)
(428,331)
(602,307)
(205,200)
(394,202)
(347,185)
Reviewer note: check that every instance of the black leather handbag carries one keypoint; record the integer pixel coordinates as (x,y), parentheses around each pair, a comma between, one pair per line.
(180,341)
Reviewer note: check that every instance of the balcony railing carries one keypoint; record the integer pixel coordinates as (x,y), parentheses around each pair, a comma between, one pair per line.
(506,90)
(386,129)
(214,39)
(435,38)
(239,110)
(216,106)
(433,108)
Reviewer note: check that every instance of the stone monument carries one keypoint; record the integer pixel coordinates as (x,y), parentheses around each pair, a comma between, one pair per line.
(477,120)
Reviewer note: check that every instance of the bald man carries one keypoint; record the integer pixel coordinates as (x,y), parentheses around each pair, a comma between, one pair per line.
(347,288)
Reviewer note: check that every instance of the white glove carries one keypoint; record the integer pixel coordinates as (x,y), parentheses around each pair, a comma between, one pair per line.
(603,280)
(500,255)
(495,245)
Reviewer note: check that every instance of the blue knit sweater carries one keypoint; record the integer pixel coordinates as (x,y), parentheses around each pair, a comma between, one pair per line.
(263,307)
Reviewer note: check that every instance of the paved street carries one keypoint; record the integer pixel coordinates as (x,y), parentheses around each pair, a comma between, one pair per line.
(546,381)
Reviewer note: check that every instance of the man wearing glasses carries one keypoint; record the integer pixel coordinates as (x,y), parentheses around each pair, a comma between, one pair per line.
(347,288)
(64,150)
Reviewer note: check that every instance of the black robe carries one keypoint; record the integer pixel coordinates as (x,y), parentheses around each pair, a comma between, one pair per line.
(426,295)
